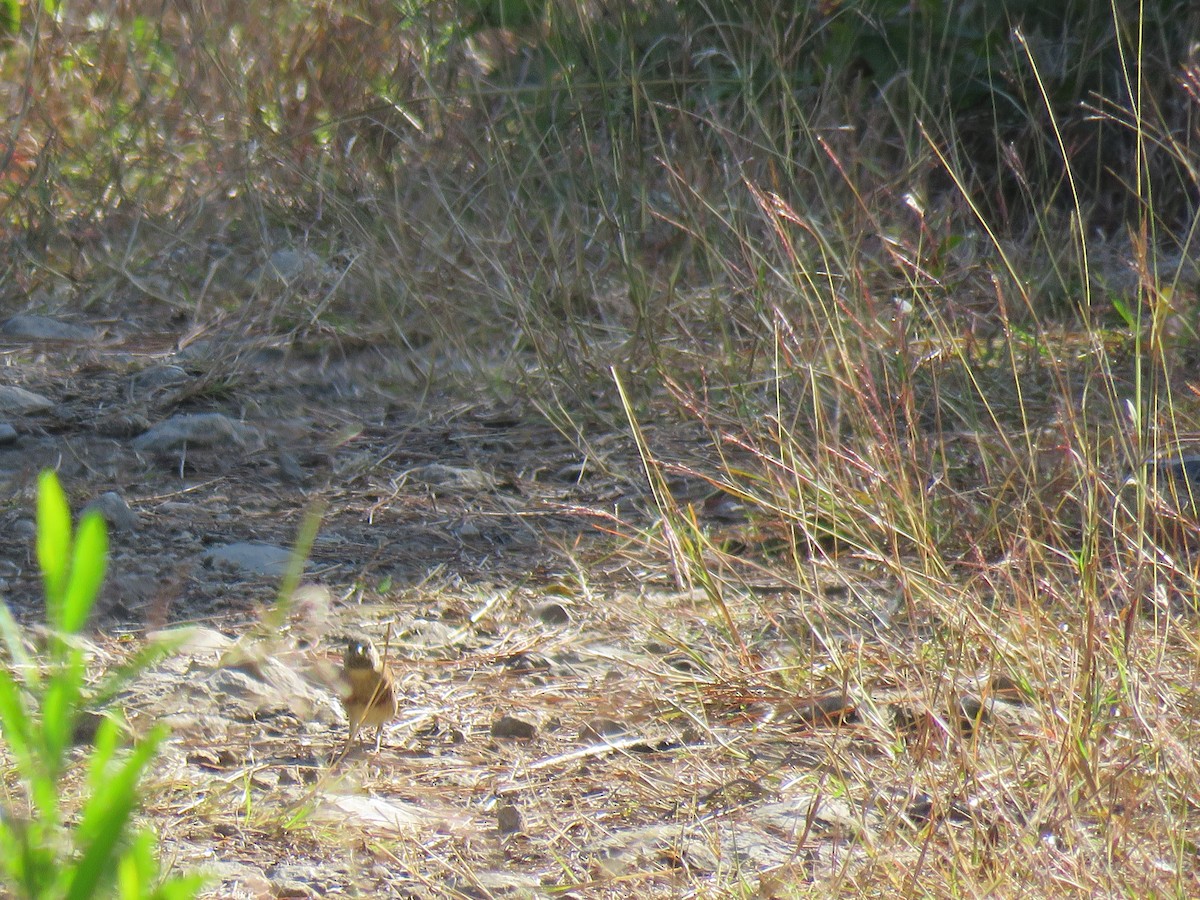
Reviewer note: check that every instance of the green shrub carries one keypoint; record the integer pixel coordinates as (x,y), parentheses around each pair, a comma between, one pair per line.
(45,850)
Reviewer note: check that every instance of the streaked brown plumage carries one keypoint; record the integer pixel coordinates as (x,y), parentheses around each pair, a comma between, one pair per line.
(372,696)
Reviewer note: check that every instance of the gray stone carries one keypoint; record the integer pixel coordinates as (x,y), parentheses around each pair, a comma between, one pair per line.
(18,400)
(192,430)
(1177,477)
(599,728)
(295,881)
(43,328)
(116,512)
(430,633)
(121,423)
(453,477)
(382,814)
(512,727)
(157,378)
(289,263)
(290,469)
(194,640)
(246,688)
(517,885)
(238,880)
(255,557)
(554,614)
(508,819)
(196,351)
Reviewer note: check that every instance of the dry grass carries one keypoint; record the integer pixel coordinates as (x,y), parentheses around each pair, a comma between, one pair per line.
(922,373)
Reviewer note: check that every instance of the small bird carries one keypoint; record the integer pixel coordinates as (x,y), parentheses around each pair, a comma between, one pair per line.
(372,696)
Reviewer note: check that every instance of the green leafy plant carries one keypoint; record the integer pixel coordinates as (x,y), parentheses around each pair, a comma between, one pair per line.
(47,850)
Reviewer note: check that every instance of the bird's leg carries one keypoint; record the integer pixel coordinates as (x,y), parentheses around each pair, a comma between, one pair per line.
(378,737)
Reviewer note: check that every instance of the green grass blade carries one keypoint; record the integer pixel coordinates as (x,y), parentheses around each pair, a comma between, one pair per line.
(53,544)
(19,660)
(15,723)
(60,706)
(106,817)
(87,571)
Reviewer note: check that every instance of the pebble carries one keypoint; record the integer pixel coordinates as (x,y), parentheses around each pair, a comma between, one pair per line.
(508,819)
(116,512)
(554,614)
(288,264)
(512,727)
(18,400)
(599,728)
(1182,474)
(290,469)
(44,328)
(255,557)
(157,378)
(195,430)
(454,477)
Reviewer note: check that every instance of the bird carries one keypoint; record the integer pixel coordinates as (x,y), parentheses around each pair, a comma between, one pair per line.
(371,699)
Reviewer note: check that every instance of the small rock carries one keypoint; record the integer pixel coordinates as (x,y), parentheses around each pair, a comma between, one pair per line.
(374,814)
(571,473)
(86,726)
(8,434)
(157,378)
(192,639)
(818,813)
(288,264)
(467,530)
(1177,477)
(554,614)
(194,430)
(290,469)
(681,662)
(255,557)
(116,511)
(430,634)
(512,727)
(972,712)
(454,477)
(18,400)
(196,351)
(625,850)
(830,708)
(121,424)
(291,882)
(43,328)
(526,663)
(234,879)
(249,689)
(600,728)
(508,819)
(214,761)
(480,883)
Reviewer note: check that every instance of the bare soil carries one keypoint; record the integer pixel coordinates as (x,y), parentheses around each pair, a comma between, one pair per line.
(574,720)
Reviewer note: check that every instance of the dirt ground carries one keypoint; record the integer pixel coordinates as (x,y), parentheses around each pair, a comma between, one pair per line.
(572,721)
